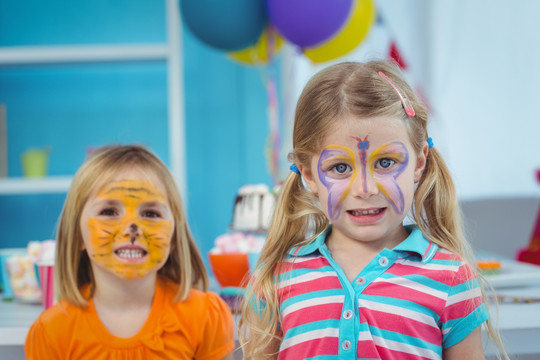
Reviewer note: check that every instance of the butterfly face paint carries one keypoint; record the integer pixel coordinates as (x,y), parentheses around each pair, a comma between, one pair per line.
(338,167)
(386,163)
(128,228)
(337,171)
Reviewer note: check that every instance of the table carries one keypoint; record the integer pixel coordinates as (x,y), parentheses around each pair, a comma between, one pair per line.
(15,320)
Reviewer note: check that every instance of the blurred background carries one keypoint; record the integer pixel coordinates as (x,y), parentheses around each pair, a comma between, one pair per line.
(224,120)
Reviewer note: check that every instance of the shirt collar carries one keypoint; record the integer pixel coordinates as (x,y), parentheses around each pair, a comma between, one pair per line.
(415,243)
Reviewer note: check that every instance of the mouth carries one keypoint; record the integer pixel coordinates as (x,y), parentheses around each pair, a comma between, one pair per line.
(364,216)
(366,212)
(131,253)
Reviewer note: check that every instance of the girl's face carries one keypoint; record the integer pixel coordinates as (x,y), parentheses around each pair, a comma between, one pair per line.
(127,226)
(364,177)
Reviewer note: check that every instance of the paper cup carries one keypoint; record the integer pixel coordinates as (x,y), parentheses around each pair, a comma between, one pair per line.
(46,282)
(34,163)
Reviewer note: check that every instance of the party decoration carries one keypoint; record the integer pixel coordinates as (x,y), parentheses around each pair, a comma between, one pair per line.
(226,25)
(267,46)
(308,23)
(532,253)
(355,30)
(395,54)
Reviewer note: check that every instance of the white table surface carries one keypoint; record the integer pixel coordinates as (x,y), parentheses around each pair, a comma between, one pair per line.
(15,320)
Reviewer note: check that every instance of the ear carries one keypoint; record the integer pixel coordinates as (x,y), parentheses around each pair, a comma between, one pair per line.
(307,175)
(421,163)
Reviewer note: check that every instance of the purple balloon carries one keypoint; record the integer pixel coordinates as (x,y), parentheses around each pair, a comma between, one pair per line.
(307,23)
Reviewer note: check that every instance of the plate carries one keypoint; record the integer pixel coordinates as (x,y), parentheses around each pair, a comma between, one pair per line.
(515,274)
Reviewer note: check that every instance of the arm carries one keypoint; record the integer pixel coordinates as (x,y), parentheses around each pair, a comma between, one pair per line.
(468,348)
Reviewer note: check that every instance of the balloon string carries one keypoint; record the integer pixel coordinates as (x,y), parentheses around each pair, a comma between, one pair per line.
(273,149)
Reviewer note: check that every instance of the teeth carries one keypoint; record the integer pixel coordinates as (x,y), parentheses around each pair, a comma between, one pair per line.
(365,212)
(130,253)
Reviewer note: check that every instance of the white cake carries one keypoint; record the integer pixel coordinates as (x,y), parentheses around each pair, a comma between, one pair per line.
(253,208)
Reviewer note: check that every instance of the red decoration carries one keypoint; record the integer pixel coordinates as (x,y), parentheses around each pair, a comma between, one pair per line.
(532,253)
(394,54)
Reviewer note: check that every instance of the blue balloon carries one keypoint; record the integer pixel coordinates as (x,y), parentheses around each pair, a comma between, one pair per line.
(225,24)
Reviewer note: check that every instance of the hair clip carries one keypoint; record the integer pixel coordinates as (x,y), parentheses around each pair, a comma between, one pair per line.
(429,142)
(404,99)
(294,169)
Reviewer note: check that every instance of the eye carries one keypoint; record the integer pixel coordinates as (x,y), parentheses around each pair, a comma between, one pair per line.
(341,168)
(108,212)
(384,163)
(150,213)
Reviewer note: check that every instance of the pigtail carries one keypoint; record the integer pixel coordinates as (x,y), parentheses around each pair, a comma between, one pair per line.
(436,208)
(437,213)
(296,214)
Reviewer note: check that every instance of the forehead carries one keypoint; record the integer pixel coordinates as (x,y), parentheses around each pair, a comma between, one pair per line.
(133,183)
(378,130)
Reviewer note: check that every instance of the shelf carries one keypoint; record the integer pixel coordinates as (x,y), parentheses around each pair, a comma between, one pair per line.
(19,55)
(21,185)
(170,52)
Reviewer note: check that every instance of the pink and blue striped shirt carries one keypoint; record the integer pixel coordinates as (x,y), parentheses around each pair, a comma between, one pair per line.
(409,302)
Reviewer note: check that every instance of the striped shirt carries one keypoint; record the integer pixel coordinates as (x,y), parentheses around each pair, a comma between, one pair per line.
(409,302)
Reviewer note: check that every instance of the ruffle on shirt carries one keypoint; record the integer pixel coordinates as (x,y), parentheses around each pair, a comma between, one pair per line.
(154,340)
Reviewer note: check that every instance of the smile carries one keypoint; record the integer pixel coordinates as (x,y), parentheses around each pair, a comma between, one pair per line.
(365,212)
(130,253)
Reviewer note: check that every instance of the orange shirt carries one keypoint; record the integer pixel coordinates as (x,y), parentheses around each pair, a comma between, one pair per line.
(200,327)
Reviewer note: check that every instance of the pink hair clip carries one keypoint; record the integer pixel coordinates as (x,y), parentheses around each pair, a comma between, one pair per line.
(404,99)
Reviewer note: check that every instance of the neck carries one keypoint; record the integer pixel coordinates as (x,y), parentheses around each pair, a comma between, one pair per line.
(115,292)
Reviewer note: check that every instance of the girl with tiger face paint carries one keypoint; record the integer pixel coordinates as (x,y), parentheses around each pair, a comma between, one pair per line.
(129,278)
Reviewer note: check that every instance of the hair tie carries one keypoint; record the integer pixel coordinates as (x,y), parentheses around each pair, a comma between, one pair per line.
(429,142)
(294,169)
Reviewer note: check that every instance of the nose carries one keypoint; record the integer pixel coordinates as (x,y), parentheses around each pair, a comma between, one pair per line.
(364,185)
(133,231)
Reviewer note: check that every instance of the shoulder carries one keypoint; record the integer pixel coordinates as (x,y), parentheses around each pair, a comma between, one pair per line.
(204,304)
(198,304)
(50,332)
(61,316)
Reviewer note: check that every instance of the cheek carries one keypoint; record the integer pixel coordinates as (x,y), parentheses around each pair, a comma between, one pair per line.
(158,236)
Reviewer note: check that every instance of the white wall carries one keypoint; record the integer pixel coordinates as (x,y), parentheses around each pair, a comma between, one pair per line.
(476,61)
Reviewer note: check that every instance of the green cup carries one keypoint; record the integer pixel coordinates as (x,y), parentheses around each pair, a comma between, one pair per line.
(35,162)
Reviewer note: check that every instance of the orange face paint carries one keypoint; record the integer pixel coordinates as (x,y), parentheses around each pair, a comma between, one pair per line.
(129,228)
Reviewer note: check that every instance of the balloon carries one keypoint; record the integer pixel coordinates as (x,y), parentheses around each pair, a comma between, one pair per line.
(308,22)
(355,30)
(226,25)
(258,53)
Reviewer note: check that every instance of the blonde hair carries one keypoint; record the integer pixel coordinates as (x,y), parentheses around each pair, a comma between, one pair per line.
(72,267)
(357,90)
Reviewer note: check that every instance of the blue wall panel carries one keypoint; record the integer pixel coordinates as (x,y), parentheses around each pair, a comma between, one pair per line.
(72,108)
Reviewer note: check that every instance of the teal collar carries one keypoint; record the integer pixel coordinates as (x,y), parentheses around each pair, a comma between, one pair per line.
(415,243)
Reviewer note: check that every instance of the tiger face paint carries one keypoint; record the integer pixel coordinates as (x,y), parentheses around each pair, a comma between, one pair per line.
(127,228)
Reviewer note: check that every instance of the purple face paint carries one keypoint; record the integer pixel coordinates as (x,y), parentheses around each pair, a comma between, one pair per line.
(385,179)
(338,183)
(363,145)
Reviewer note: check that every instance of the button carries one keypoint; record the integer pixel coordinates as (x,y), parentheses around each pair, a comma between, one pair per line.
(347,314)
(346,345)
(383,261)
(361,280)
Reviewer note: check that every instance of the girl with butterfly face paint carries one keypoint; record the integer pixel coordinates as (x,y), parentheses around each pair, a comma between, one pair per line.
(340,275)
(131,281)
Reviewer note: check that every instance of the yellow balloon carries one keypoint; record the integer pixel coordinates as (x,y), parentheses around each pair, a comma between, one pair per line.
(258,53)
(361,19)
